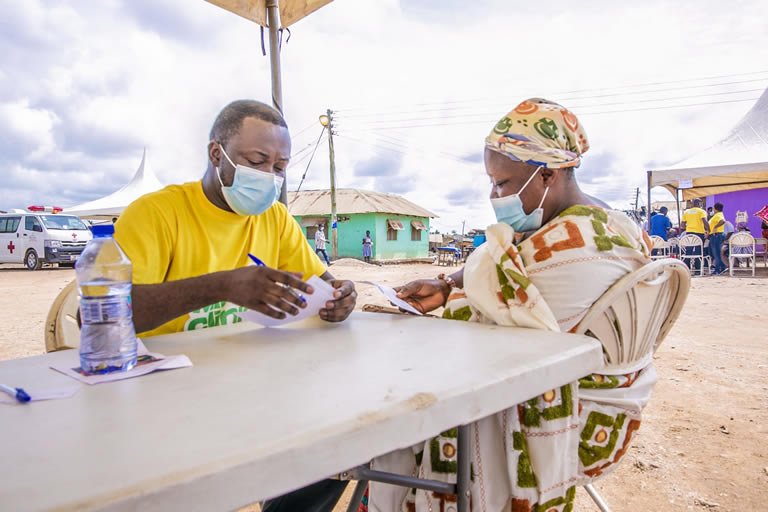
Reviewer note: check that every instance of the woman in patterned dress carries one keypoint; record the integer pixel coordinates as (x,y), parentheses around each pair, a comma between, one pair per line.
(554,251)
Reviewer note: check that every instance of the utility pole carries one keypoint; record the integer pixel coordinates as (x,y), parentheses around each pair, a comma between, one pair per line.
(327,121)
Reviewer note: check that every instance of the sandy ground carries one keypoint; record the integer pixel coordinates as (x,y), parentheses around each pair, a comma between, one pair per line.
(704,440)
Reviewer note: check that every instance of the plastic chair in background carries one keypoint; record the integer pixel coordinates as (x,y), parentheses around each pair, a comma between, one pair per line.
(674,247)
(688,250)
(741,248)
(761,250)
(659,248)
(61,329)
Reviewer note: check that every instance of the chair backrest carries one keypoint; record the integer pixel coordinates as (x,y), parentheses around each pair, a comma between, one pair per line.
(742,240)
(658,243)
(691,241)
(633,316)
(673,242)
(61,329)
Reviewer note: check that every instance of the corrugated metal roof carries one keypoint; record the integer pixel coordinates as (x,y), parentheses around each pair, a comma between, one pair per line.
(352,200)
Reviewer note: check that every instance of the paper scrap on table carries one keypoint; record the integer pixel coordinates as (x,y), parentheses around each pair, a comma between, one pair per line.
(148,362)
(391,295)
(315,302)
(38,394)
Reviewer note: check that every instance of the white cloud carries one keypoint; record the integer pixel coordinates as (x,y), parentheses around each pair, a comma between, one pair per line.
(92,83)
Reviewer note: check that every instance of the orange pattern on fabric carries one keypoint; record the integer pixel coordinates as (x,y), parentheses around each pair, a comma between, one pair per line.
(526,107)
(544,251)
(519,505)
(457,295)
(520,294)
(570,119)
(647,239)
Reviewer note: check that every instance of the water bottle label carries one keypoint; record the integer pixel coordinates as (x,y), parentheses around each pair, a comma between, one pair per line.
(105,310)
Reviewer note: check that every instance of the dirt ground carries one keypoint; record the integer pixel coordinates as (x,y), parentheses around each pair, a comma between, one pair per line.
(704,440)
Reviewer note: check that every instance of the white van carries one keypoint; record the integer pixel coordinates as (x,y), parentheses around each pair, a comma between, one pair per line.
(37,238)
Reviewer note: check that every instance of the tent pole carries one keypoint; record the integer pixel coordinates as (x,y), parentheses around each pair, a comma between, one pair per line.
(273,22)
(677,201)
(648,212)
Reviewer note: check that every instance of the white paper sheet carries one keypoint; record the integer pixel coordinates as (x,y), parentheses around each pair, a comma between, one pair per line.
(148,363)
(315,302)
(391,295)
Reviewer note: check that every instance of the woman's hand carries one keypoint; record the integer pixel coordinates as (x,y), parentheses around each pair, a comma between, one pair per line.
(425,294)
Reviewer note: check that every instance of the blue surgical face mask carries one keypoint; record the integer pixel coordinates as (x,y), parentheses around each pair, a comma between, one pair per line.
(252,191)
(509,209)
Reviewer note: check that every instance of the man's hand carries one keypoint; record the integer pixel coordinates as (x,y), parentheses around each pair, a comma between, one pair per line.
(269,291)
(344,299)
(425,294)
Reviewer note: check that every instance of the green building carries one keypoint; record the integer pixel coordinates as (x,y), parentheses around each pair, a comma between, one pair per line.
(399,228)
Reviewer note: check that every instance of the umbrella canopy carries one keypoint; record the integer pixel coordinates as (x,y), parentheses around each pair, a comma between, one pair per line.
(738,162)
(291,11)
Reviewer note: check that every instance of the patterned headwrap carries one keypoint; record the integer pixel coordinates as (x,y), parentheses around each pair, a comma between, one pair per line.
(540,132)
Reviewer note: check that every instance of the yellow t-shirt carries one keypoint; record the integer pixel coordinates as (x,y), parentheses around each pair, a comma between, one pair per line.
(717,217)
(177,233)
(694,219)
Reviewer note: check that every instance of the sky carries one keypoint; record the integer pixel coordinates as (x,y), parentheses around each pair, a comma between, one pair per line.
(414,85)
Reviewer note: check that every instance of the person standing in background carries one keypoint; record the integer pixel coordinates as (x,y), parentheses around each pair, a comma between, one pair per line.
(367,247)
(320,243)
(660,224)
(717,238)
(695,223)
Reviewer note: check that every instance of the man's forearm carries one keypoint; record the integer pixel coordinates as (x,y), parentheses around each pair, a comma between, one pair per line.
(156,304)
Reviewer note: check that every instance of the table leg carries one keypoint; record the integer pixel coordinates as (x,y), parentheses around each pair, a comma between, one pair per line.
(464,469)
(357,496)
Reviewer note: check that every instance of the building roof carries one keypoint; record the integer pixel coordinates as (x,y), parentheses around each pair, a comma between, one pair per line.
(352,200)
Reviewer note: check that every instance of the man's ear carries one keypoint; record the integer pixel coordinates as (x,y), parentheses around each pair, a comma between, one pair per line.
(550,176)
(214,153)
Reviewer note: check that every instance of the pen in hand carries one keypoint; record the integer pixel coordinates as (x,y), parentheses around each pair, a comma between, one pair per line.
(293,292)
(17,393)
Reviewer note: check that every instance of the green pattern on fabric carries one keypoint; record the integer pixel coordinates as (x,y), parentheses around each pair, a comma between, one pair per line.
(610,382)
(464,314)
(503,125)
(525,475)
(603,243)
(586,211)
(621,241)
(440,465)
(546,128)
(532,415)
(519,278)
(589,454)
(567,500)
(507,291)
(599,227)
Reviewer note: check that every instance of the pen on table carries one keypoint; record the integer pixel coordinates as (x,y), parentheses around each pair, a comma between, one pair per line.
(17,393)
(260,263)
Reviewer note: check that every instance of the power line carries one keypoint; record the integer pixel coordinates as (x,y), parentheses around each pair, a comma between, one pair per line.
(576,91)
(303,176)
(581,114)
(571,107)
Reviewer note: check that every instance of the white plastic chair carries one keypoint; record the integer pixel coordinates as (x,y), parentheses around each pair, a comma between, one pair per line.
(661,246)
(761,250)
(674,246)
(632,319)
(61,329)
(687,245)
(742,248)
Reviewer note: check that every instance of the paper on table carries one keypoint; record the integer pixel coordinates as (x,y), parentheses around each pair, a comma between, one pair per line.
(147,363)
(315,302)
(37,394)
(391,295)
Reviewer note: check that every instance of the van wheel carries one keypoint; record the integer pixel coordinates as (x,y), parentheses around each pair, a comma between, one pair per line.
(32,261)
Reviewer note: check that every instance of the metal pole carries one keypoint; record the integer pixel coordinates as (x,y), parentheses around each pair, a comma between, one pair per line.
(648,211)
(334,221)
(677,201)
(273,20)
(464,469)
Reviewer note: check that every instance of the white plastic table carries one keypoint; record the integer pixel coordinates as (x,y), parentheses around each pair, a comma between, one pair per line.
(265,411)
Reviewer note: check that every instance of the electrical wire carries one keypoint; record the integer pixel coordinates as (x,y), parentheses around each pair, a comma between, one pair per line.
(303,176)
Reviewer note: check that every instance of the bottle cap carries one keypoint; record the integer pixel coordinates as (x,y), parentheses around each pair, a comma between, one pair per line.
(103,230)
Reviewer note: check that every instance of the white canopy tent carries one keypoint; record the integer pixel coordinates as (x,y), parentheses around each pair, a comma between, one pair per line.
(738,162)
(143,182)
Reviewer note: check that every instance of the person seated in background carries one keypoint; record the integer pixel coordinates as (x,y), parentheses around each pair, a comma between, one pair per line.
(741,227)
(660,223)
(190,243)
(553,253)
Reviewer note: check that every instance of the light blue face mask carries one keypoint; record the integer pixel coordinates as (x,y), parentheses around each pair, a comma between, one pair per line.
(509,209)
(252,191)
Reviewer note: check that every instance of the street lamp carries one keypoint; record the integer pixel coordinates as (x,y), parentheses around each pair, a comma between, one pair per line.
(325,120)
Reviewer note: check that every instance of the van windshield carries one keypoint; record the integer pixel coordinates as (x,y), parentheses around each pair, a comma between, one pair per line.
(67,222)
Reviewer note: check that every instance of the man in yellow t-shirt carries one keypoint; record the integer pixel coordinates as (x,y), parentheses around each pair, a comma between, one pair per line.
(717,238)
(695,223)
(189,243)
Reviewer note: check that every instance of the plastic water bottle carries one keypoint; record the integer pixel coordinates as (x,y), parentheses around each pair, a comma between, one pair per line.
(107,336)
